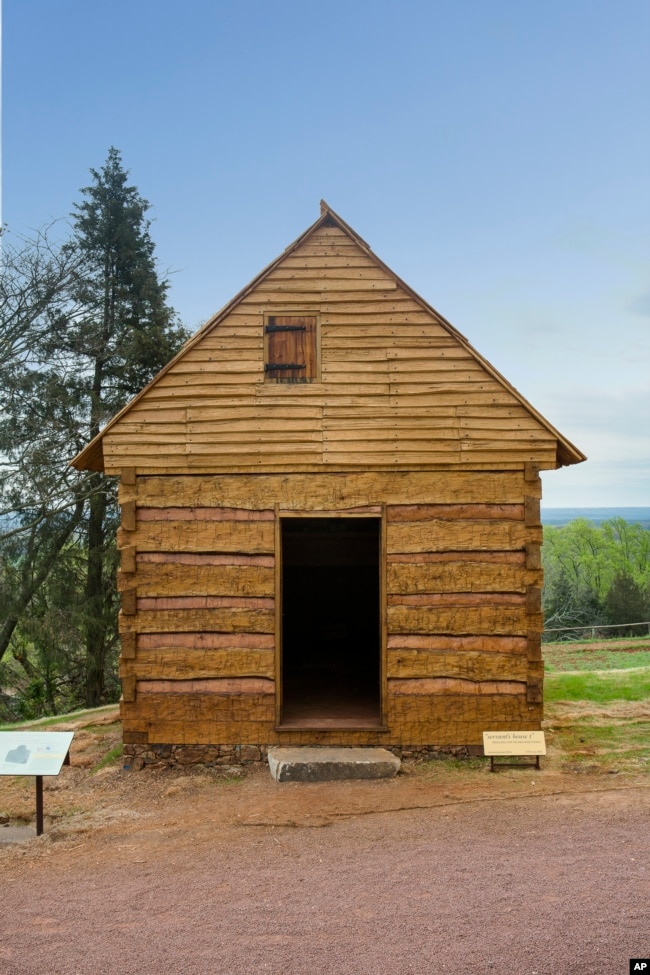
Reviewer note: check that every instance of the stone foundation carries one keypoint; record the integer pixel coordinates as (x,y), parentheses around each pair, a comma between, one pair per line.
(211,756)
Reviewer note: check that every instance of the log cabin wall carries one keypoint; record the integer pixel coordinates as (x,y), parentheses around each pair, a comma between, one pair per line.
(393,415)
(462,604)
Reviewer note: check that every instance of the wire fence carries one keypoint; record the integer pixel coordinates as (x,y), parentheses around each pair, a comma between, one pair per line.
(614,630)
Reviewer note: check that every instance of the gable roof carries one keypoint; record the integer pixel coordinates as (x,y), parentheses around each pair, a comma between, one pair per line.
(91,457)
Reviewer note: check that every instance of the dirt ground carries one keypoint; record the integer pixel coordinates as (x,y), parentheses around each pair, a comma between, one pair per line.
(443,869)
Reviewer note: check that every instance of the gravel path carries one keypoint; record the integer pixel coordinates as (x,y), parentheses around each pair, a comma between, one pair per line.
(548,885)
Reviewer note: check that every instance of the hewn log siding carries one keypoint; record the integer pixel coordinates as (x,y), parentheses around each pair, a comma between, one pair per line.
(506,620)
(170,578)
(444,535)
(201,718)
(213,536)
(434,599)
(225,620)
(201,577)
(460,644)
(184,663)
(204,640)
(203,514)
(458,576)
(204,602)
(435,686)
(449,719)
(471,665)
(424,512)
(329,491)
(223,686)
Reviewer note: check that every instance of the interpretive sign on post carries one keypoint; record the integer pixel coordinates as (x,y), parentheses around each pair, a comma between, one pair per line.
(36,753)
(514,744)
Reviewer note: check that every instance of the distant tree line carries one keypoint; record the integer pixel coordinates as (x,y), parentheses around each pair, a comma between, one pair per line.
(596,575)
(84,325)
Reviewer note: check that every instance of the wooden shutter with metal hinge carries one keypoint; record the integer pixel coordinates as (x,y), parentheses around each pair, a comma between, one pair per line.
(290,343)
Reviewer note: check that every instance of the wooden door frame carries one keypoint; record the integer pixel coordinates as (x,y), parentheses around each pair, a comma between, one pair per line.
(379,515)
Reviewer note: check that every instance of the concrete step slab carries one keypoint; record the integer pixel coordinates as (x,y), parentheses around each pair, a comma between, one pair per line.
(325,764)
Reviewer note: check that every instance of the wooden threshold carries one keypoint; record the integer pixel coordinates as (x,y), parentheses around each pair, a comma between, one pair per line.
(331,724)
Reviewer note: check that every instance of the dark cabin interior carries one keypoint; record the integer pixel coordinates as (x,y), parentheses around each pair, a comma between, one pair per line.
(331,622)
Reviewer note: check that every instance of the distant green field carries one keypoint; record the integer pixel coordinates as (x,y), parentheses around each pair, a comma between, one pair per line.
(593,655)
(72,716)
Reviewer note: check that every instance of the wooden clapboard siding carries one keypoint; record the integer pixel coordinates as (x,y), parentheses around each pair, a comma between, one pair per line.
(453,393)
(372,324)
(388,330)
(328,261)
(229,346)
(379,348)
(255,417)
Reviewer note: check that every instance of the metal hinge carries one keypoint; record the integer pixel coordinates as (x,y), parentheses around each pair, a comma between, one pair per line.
(285,328)
(273,366)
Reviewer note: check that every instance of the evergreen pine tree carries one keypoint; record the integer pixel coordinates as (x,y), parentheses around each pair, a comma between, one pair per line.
(124,335)
(83,328)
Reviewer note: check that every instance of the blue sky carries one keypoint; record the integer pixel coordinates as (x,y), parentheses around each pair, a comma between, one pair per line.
(494,153)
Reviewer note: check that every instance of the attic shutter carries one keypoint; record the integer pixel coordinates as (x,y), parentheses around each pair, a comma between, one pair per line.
(290,348)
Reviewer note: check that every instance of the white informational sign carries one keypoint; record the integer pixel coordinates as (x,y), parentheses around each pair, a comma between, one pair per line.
(514,743)
(33,752)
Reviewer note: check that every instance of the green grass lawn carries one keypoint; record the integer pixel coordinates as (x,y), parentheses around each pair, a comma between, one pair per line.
(597,706)
(599,686)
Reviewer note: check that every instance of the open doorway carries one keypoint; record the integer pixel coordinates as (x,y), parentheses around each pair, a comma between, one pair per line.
(331,641)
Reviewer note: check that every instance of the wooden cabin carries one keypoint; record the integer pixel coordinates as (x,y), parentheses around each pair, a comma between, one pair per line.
(330,524)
